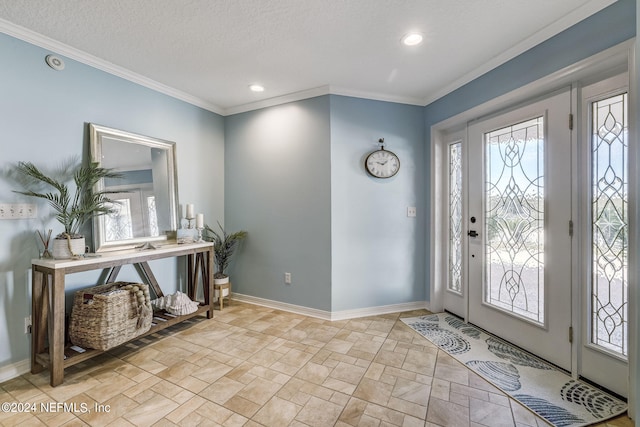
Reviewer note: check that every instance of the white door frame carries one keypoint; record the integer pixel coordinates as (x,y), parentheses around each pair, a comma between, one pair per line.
(615,59)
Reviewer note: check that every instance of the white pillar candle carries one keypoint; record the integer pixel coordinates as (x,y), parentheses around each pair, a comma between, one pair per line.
(189,211)
(200,220)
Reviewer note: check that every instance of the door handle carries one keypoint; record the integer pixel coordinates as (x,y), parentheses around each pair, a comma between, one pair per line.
(472,233)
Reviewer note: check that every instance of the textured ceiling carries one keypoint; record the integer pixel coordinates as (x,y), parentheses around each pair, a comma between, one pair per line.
(212,50)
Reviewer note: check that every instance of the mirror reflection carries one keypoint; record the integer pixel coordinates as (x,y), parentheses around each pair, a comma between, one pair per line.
(145,196)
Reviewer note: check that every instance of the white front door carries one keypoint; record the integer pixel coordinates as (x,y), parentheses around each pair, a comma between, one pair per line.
(518,222)
(605,232)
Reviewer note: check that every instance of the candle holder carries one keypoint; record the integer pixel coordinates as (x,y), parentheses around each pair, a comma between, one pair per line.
(200,240)
(189,224)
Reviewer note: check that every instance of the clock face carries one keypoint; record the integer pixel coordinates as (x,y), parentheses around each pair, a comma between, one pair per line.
(382,164)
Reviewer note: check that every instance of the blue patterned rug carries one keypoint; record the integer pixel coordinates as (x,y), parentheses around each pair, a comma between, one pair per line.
(541,387)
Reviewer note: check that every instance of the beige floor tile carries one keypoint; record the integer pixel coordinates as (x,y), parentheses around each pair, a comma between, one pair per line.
(353,411)
(390,358)
(490,414)
(447,414)
(319,413)
(145,385)
(313,372)
(183,411)
(457,374)
(213,414)
(242,406)
(338,346)
(411,391)
(254,366)
(277,413)
(385,414)
(105,391)
(222,390)
(339,385)
(150,411)
(440,389)
(373,391)
(259,391)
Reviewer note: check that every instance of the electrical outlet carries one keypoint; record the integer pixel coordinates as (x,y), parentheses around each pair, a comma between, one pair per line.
(411,211)
(287,278)
(27,325)
(18,210)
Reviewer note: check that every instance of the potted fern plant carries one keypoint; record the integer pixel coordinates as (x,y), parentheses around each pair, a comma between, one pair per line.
(224,245)
(73,210)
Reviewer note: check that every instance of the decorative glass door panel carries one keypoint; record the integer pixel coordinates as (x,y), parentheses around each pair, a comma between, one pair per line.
(609,224)
(514,219)
(454,283)
(454,175)
(604,253)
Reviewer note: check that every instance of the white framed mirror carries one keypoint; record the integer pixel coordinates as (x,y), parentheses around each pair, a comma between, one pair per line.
(146,195)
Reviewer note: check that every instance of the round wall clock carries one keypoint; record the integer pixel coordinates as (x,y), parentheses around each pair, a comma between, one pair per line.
(382,163)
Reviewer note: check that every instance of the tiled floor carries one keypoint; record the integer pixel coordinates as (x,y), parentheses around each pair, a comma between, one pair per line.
(254,366)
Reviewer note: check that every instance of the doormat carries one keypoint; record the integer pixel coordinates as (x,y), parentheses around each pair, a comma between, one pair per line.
(538,385)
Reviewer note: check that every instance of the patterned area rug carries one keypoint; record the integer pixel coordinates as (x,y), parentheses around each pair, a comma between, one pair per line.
(547,391)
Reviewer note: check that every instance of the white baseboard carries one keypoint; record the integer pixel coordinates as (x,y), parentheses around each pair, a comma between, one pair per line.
(291,308)
(331,315)
(14,370)
(381,309)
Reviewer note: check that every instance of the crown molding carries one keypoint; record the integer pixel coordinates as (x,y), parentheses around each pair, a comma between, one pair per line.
(556,27)
(60,48)
(278,100)
(319,91)
(546,33)
(336,90)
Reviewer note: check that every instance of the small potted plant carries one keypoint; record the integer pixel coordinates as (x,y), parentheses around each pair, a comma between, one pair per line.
(224,244)
(72,210)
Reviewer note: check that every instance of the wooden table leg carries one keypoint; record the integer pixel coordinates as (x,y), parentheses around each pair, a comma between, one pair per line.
(56,328)
(39,306)
(151,278)
(208,283)
(191,284)
(113,274)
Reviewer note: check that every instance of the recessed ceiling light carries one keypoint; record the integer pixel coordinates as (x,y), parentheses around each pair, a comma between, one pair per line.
(256,88)
(412,39)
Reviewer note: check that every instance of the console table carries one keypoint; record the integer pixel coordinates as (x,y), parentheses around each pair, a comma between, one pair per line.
(48,298)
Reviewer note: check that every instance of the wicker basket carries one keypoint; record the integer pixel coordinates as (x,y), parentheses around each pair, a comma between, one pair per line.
(108,315)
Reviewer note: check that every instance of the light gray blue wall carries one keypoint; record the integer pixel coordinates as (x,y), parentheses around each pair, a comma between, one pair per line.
(295,181)
(278,188)
(43,116)
(378,253)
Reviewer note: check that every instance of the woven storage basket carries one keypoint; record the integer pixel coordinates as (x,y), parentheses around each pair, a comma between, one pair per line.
(106,316)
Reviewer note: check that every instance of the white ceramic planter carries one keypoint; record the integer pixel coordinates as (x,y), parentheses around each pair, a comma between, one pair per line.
(221,281)
(225,293)
(61,248)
